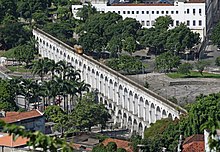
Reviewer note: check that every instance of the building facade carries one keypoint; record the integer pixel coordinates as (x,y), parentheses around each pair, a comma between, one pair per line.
(196,14)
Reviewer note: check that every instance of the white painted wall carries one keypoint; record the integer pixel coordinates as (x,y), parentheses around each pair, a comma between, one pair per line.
(193,14)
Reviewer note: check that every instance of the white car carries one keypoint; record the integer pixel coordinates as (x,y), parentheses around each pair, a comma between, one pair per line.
(218,49)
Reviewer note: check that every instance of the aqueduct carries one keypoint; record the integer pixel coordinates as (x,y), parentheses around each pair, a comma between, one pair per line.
(131,105)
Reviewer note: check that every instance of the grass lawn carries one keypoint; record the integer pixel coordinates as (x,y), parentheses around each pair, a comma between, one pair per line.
(193,74)
(18,69)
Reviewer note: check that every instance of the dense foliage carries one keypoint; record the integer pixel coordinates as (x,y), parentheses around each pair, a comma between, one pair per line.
(215,37)
(167,61)
(126,64)
(7,96)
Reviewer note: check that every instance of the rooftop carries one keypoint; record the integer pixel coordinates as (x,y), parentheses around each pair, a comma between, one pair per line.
(196,1)
(12,117)
(7,140)
(141,4)
(194,143)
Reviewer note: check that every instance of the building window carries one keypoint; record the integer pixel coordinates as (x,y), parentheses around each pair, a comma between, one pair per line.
(157,12)
(172,12)
(137,12)
(167,12)
(119,12)
(177,23)
(194,23)
(124,12)
(148,23)
(132,12)
(171,23)
(200,22)
(188,23)
(194,11)
(142,23)
(113,11)
(177,12)
(162,12)
(152,12)
(152,23)
(128,12)
(187,11)
(142,12)
(147,12)
(200,11)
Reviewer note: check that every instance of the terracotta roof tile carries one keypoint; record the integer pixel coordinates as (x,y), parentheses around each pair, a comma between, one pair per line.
(194,143)
(195,137)
(6,140)
(18,116)
(120,144)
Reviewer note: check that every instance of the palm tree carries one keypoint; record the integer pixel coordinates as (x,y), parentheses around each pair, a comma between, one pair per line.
(82,86)
(52,67)
(41,67)
(27,86)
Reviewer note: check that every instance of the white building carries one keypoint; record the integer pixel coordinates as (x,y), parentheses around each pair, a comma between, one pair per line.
(196,14)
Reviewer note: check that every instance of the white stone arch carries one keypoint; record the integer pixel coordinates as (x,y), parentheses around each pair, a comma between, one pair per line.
(131,101)
(115,98)
(68,58)
(129,122)
(88,74)
(106,103)
(101,100)
(135,104)
(164,114)
(125,99)
(119,118)
(170,116)
(61,53)
(120,94)
(106,87)
(93,82)
(140,129)
(158,113)
(124,121)
(147,112)
(84,72)
(135,126)
(101,83)
(97,81)
(152,113)
(111,89)
(141,108)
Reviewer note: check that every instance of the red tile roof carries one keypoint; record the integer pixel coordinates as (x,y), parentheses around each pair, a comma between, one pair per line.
(6,140)
(120,144)
(12,117)
(194,143)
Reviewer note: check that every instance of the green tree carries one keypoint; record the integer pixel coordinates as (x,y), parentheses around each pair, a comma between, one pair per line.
(121,150)
(217,61)
(27,8)
(58,116)
(86,11)
(129,45)
(215,37)
(7,96)
(7,7)
(41,67)
(111,147)
(167,61)
(88,113)
(13,34)
(200,66)
(185,68)
(163,22)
